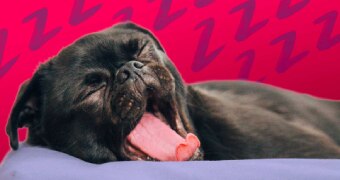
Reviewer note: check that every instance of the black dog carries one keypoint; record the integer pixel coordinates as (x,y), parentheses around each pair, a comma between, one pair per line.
(87,99)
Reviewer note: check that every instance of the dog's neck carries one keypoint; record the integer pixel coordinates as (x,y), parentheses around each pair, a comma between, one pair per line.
(206,123)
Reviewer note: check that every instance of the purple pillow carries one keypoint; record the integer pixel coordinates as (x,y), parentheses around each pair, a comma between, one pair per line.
(40,163)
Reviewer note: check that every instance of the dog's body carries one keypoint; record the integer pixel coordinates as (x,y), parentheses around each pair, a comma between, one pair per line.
(89,97)
(250,120)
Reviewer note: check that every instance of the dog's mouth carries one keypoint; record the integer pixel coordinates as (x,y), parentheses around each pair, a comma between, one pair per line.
(160,136)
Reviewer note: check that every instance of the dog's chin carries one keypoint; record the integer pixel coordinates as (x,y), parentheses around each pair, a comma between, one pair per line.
(163,109)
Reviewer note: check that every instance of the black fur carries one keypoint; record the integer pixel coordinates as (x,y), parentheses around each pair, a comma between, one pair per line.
(85,101)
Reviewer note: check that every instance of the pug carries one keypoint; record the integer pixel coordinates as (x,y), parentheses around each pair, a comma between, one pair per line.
(88,99)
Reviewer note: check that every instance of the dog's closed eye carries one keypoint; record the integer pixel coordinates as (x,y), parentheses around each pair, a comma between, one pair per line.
(142,48)
(95,80)
(92,83)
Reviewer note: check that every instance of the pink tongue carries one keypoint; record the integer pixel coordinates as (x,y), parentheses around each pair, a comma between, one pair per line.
(159,141)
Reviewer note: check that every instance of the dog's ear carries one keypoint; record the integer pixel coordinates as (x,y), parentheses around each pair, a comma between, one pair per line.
(133,26)
(26,108)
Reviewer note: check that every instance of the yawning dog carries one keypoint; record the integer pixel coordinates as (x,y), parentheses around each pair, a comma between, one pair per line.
(115,95)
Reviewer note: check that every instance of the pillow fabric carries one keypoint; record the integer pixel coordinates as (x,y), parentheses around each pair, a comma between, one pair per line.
(40,163)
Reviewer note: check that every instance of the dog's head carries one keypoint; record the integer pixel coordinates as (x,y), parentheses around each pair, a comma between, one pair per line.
(87,99)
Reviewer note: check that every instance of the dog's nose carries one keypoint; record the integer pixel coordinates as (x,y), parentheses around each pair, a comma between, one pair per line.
(128,70)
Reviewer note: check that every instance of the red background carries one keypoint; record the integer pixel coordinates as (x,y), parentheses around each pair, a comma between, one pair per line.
(316,73)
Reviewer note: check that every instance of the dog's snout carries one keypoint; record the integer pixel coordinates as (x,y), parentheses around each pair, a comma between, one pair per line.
(128,71)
